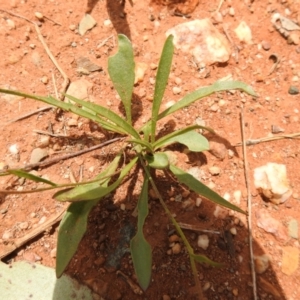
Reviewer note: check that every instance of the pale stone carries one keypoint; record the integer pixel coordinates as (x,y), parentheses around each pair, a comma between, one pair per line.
(243,32)
(202,40)
(290,260)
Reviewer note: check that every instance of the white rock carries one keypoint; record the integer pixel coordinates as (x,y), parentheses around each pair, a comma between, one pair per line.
(203,241)
(86,23)
(39,16)
(271,180)
(7,235)
(79,89)
(140,70)
(214,170)
(202,40)
(176,90)
(13,149)
(53,253)
(233,231)
(243,32)
(11,24)
(237,195)
(23,225)
(37,155)
(107,23)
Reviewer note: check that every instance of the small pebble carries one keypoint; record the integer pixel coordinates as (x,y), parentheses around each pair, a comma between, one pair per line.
(174,238)
(233,231)
(176,249)
(107,23)
(39,16)
(23,225)
(166,297)
(44,80)
(32,46)
(13,149)
(153,66)
(42,220)
(266,45)
(176,90)
(214,170)
(7,235)
(203,241)
(11,24)
(231,11)
(235,292)
(72,27)
(293,90)
(178,80)
(214,108)
(217,17)
(206,286)
(261,263)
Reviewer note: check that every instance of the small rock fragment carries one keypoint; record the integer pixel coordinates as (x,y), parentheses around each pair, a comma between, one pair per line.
(276,129)
(243,33)
(86,23)
(11,24)
(176,90)
(294,38)
(261,263)
(290,260)
(188,204)
(174,238)
(272,182)
(214,170)
(220,212)
(140,70)
(203,241)
(266,45)
(37,155)
(217,149)
(166,297)
(216,17)
(13,149)
(44,80)
(233,231)
(7,234)
(202,40)
(39,16)
(293,228)
(31,256)
(293,90)
(176,249)
(270,225)
(23,225)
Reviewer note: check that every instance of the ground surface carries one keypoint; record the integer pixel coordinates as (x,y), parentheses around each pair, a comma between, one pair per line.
(24,63)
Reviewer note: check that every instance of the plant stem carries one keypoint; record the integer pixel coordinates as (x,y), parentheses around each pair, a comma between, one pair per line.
(178,229)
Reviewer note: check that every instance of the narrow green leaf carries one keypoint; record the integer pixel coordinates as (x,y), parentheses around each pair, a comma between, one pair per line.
(74,223)
(121,71)
(69,107)
(190,98)
(161,81)
(107,113)
(203,259)
(217,86)
(139,247)
(32,177)
(159,160)
(71,230)
(200,188)
(147,145)
(194,141)
(92,191)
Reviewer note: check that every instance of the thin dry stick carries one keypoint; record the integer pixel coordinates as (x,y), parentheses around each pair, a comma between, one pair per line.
(196,228)
(268,139)
(40,36)
(249,199)
(30,114)
(57,159)
(17,243)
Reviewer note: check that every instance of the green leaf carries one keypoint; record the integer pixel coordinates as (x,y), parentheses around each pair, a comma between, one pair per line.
(121,71)
(200,188)
(71,230)
(147,145)
(194,141)
(92,191)
(74,223)
(32,177)
(69,107)
(218,86)
(190,98)
(203,259)
(161,81)
(139,247)
(107,113)
(159,160)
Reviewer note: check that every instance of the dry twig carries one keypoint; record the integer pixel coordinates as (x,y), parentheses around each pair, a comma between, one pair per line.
(19,242)
(40,36)
(249,200)
(68,156)
(30,114)
(268,139)
(196,228)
